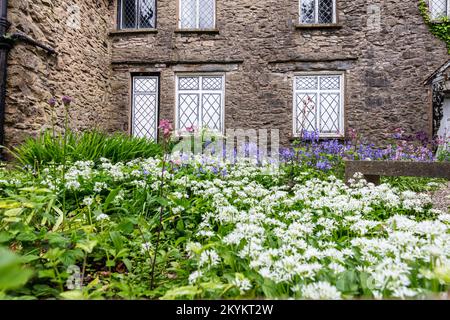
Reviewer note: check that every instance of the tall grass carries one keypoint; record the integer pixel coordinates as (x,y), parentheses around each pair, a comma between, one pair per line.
(89,145)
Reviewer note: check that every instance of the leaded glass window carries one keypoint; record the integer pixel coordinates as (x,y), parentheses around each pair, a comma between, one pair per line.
(317,11)
(144,115)
(439,9)
(197,14)
(318,104)
(137,14)
(200,102)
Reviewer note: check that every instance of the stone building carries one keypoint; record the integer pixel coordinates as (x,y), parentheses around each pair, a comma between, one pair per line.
(328,65)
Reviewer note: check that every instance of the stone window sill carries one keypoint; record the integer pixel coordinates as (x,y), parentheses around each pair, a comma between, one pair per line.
(131,31)
(197,31)
(438,21)
(318,26)
(340,138)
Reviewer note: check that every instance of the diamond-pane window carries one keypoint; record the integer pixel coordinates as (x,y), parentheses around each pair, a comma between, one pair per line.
(317,11)
(197,14)
(439,9)
(145,107)
(200,101)
(137,14)
(318,104)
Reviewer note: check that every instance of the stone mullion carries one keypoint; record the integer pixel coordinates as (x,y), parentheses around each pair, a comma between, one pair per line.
(316,11)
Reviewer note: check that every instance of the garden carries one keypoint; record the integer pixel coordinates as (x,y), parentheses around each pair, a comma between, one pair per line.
(89,215)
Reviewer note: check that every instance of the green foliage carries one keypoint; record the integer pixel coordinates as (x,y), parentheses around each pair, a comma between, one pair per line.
(90,145)
(12,273)
(443,154)
(415,184)
(441,28)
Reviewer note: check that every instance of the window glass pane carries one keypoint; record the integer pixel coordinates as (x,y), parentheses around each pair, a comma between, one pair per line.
(305,83)
(438,9)
(212,83)
(146,13)
(211,111)
(307,11)
(206,19)
(188,83)
(188,14)
(128,14)
(306,110)
(330,113)
(145,107)
(326,11)
(330,83)
(188,111)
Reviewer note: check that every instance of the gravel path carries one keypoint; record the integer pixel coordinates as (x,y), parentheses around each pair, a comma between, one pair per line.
(441,198)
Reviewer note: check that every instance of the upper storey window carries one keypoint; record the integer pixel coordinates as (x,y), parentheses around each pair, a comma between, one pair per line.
(137,14)
(439,9)
(317,11)
(197,14)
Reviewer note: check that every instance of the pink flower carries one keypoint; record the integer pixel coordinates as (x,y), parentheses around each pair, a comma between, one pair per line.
(166,127)
(352,133)
(440,141)
(191,129)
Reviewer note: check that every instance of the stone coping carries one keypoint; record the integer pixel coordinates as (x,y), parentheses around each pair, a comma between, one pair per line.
(373,170)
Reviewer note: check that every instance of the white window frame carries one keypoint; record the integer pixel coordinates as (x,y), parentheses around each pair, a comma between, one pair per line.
(316,13)
(200,92)
(197,18)
(318,91)
(430,5)
(133,99)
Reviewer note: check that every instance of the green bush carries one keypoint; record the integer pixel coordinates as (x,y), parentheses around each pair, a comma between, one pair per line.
(91,145)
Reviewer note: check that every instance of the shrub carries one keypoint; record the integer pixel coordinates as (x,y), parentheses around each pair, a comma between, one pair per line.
(91,145)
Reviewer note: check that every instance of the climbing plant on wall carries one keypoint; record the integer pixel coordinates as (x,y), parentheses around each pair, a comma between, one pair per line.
(440,28)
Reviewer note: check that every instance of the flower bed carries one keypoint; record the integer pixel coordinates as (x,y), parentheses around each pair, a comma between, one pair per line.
(184,226)
(227,231)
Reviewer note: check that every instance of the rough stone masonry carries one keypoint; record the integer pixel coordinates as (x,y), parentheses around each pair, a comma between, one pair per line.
(257,44)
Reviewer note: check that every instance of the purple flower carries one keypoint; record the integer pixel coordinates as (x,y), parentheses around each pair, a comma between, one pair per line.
(323,165)
(67,100)
(215,170)
(52,102)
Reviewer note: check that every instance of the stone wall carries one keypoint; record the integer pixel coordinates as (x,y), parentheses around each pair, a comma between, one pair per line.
(78,30)
(258,45)
(386,58)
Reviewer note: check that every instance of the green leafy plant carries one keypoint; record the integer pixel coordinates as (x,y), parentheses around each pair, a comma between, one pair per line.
(12,273)
(90,145)
(440,28)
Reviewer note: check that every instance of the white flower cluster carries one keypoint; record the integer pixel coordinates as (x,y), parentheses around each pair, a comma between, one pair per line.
(324,227)
(306,238)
